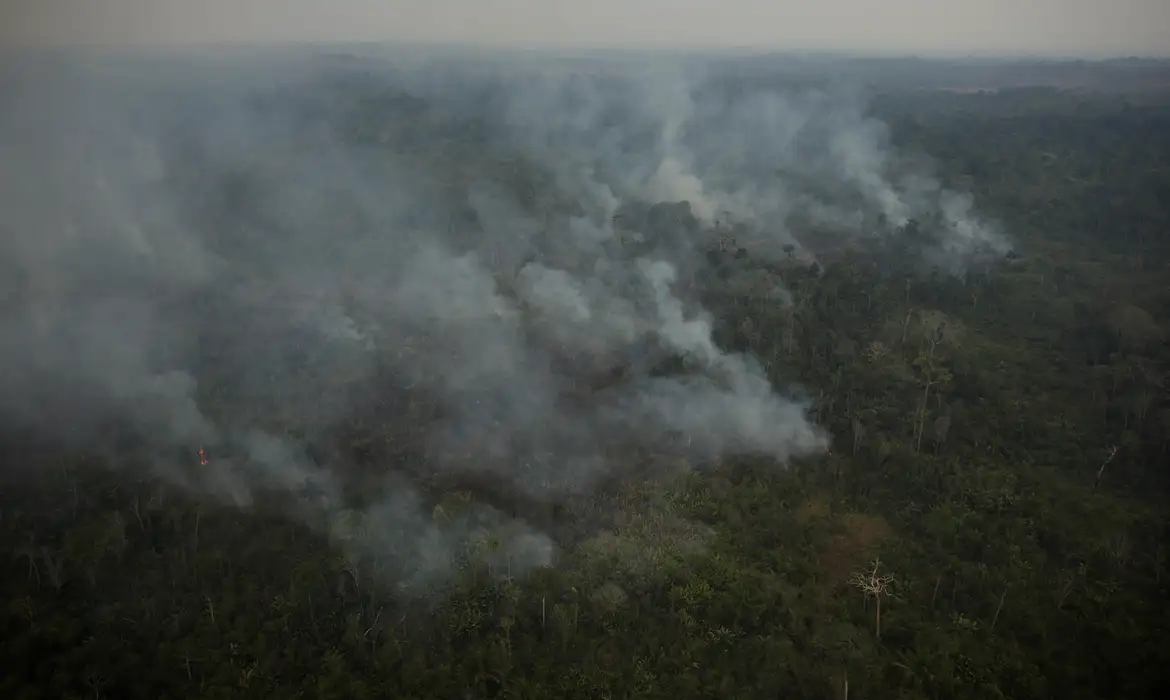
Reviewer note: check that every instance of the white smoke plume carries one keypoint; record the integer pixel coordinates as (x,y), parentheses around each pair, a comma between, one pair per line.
(782,159)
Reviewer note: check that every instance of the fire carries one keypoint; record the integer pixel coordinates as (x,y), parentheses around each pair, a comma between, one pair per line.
(203,457)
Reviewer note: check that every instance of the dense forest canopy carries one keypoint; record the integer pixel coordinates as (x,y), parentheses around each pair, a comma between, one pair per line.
(433,376)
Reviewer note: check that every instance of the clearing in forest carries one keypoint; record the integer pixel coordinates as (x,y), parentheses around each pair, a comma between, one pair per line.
(850,539)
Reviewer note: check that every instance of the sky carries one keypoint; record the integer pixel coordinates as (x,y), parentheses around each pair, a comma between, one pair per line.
(1035,27)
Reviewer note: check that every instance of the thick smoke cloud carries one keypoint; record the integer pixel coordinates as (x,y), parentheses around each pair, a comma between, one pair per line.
(780,158)
(252,258)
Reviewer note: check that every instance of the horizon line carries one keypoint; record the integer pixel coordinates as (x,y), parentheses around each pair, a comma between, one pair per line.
(908,53)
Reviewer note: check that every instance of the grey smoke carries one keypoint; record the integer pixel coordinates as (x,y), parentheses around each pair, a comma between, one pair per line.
(178,229)
(770,155)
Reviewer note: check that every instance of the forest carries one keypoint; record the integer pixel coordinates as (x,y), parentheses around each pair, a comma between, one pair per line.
(516,378)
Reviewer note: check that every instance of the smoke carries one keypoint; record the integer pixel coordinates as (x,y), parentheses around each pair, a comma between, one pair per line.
(255,258)
(786,160)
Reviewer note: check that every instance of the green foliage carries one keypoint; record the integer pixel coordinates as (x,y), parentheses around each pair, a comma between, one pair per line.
(1001,445)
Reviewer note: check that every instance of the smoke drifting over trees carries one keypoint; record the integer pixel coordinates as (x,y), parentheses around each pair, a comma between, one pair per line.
(505,255)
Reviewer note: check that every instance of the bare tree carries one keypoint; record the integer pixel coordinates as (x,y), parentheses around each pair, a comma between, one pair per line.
(935,330)
(999,608)
(873,585)
(788,330)
(858,434)
(1070,580)
(942,426)
(1110,452)
(53,566)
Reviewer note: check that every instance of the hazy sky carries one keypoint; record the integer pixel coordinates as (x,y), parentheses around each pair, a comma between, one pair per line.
(923,26)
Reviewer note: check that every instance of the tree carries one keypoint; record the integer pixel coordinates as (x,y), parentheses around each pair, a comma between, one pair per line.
(1110,453)
(873,585)
(937,331)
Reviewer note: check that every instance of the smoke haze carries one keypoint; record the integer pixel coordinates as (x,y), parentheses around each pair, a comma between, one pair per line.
(257,257)
(1068,27)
